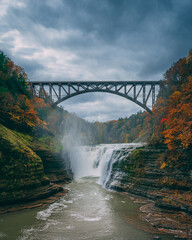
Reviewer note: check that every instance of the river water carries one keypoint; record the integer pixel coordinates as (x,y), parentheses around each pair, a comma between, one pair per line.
(87,211)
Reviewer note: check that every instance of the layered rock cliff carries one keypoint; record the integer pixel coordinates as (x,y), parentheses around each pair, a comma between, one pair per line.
(138,173)
(31,166)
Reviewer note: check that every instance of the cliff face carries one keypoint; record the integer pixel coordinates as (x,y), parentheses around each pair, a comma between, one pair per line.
(30,166)
(138,173)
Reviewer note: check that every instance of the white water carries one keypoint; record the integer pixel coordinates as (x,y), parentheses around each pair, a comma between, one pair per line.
(97,161)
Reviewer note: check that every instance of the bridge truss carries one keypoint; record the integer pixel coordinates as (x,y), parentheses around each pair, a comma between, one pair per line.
(142,93)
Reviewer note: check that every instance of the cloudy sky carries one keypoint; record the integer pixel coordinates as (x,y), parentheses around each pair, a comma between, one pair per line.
(96,40)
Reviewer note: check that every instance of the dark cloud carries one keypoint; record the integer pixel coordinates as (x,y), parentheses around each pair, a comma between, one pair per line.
(96,40)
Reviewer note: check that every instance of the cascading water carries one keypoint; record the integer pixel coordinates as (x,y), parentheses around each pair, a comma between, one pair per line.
(97,161)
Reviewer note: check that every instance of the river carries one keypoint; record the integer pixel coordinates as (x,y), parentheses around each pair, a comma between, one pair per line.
(87,211)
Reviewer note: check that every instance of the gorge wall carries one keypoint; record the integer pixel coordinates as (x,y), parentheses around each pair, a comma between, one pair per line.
(141,174)
(138,174)
(32,166)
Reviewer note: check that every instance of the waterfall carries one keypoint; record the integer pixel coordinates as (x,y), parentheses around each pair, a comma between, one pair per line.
(97,161)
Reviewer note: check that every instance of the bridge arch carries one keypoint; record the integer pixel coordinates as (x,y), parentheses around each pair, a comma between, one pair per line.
(111,92)
(139,92)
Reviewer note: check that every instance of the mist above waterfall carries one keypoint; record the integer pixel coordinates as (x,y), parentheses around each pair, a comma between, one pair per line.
(74,141)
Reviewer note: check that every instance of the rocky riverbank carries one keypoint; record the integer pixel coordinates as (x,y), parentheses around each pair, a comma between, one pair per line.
(33,167)
(138,175)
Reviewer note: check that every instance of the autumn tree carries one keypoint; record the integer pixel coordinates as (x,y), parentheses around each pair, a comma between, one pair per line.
(17,108)
(179,119)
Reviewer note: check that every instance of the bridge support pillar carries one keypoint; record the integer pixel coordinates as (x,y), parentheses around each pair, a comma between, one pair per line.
(50,93)
(144,95)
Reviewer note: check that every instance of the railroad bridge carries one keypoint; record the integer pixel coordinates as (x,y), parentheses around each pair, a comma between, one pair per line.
(143,93)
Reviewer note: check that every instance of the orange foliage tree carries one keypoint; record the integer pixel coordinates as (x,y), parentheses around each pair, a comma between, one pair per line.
(20,114)
(179,119)
(170,122)
(18,108)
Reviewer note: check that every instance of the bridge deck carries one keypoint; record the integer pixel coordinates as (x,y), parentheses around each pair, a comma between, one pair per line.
(95,82)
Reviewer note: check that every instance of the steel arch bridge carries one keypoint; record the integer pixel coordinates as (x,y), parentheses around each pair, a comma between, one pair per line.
(143,93)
